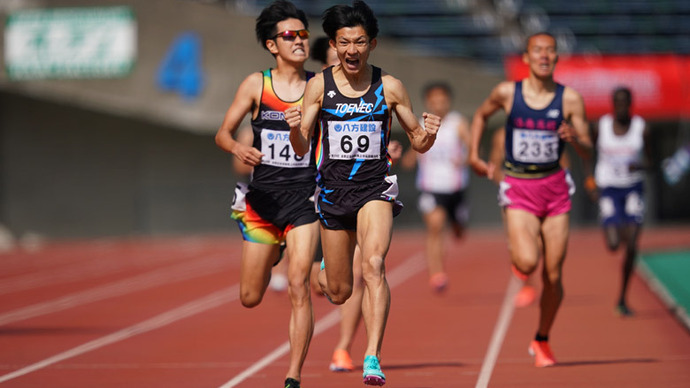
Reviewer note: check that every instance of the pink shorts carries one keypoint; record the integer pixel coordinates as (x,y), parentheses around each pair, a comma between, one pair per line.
(544,197)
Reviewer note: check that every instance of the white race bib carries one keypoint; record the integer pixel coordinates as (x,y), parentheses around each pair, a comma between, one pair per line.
(278,152)
(354,140)
(535,146)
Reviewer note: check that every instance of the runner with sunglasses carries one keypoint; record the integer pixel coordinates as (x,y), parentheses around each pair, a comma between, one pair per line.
(275,206)
(351,106)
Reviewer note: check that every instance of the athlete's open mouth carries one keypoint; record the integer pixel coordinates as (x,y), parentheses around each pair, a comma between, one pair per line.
(352,63)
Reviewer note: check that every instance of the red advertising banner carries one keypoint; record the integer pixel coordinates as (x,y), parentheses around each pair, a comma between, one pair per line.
(660,83)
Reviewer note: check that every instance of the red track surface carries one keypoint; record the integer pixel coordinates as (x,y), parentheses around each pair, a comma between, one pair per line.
(80,315)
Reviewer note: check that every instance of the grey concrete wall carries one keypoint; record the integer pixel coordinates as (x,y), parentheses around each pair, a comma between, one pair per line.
(71,172)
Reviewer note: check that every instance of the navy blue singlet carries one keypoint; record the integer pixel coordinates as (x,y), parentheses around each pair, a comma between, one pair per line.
(532,144)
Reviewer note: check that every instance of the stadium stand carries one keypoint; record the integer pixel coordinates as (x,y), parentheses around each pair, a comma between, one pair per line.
(487,30)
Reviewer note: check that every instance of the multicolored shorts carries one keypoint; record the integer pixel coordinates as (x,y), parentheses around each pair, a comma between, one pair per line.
(266,216)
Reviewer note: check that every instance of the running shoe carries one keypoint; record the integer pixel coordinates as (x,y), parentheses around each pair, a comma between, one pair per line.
(623,311)
(525,296)
(341,361)
(438,282)
(291,383)
(372,371)
(542,354)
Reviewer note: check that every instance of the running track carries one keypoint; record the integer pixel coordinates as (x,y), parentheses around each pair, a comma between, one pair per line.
(164,313)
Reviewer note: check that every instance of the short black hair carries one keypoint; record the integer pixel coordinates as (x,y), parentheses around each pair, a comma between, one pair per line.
(319,49)
(273,14)
(623,90)
(443,85)
(359,14)
(541,33)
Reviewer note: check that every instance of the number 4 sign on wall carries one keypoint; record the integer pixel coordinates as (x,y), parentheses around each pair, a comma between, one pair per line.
(180,69)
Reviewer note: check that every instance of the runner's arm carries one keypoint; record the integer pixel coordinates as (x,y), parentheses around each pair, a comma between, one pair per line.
(497,154)
(246,99)
(421,137)
(465,139)
(498,99)
(244,136)
(303,119)
(575,129)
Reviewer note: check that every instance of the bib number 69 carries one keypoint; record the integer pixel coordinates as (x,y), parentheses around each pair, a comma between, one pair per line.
(362,143)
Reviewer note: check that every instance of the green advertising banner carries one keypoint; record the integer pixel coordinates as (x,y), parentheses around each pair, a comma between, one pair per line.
(70,43)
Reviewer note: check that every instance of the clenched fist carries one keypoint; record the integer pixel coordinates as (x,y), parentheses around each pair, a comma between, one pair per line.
(431,123)
(293,116)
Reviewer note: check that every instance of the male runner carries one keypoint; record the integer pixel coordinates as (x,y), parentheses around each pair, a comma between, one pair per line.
(351,104)
(442,178)
(622,140)
(542,116)
(276,207)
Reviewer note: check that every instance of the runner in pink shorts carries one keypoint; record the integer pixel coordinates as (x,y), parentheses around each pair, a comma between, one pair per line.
(542,116)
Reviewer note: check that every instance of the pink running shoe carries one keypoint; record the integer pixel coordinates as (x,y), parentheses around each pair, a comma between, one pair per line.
(438,282)
(541,351)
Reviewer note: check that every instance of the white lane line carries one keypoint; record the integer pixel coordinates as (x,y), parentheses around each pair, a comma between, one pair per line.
(401,273)
(105,263)
(504,317)
(137,283)
(200,305)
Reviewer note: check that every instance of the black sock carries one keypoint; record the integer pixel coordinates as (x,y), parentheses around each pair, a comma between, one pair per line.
(292,381)
(542,338)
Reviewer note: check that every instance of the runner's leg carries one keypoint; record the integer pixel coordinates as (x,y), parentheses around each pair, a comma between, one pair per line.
(374,231)
(523,230)
(255,271)
(301,246)
(351,310)
(555,230)
(338,249)
(632,231)
(435,221)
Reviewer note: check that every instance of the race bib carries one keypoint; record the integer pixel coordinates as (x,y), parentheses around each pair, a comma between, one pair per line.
(278,152)
(535,146)
(354,140)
